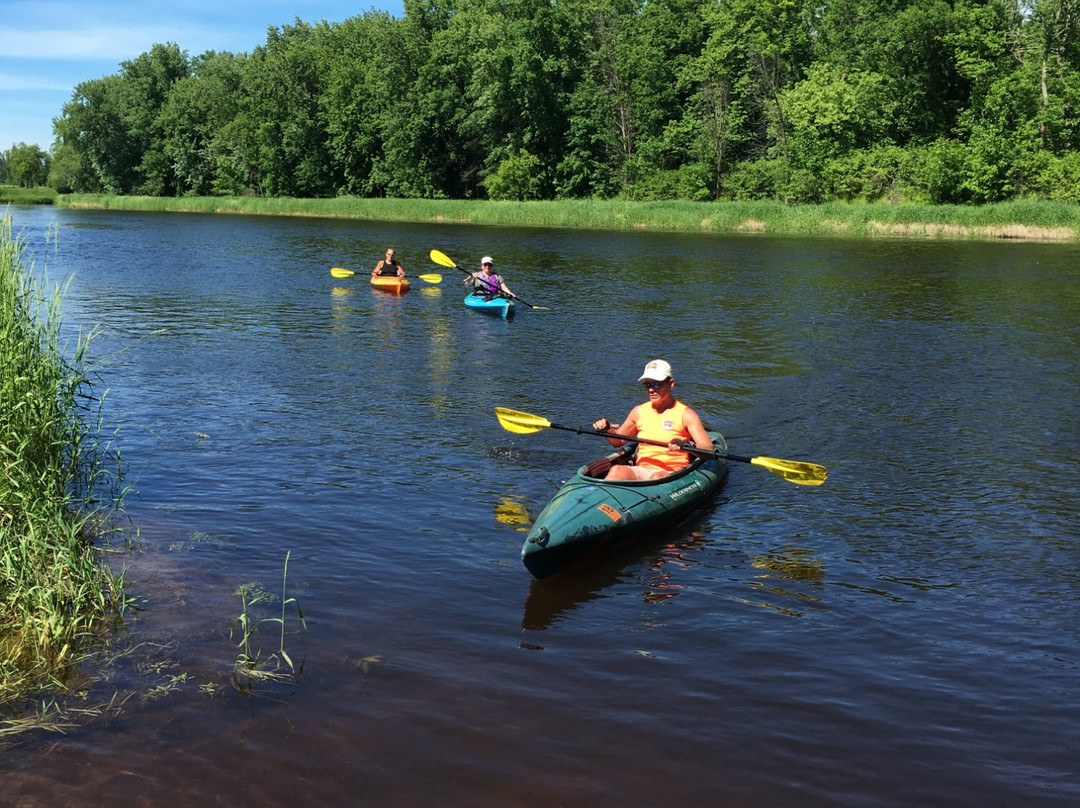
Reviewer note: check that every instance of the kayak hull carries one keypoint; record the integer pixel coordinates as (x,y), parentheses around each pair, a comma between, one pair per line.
(589,515)
(391,283)
(496,307)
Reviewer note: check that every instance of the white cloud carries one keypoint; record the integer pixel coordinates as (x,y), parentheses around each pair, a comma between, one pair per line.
(19,82)
(115,43)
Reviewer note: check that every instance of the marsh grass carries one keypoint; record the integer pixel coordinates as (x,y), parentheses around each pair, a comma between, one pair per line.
(1009,220)
(249,662)
(57,493)
(16,195)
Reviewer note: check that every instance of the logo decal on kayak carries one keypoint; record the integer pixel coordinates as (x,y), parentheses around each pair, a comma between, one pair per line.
(694,486)
(609,512)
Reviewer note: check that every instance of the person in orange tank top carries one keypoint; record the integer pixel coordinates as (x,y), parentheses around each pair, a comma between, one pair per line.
(660,418)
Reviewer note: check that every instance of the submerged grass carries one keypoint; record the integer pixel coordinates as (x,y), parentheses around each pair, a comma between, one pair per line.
(1050,221)
(56,595)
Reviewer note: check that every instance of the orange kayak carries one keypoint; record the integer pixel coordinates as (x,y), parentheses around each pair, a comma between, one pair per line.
(391,283)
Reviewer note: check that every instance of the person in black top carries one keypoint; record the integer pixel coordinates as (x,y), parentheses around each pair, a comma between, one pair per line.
(388,266)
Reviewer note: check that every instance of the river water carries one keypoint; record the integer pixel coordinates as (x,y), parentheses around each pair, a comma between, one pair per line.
(906,634)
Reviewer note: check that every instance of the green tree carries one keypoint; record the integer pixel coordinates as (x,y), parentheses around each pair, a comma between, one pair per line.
(194,124)
(625,102)
(521,79)
(112,123)
(517,178)
(67,174)
(906,43)
(27,166)
(281,113)
(93,124)
(148,80)
(833,111)
(1053,28)
(752,53)
(370,60)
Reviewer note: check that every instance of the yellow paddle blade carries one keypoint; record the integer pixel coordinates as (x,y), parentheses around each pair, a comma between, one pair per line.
(520,422)
(431,277)
(442,259)
(340,272)
(793,470)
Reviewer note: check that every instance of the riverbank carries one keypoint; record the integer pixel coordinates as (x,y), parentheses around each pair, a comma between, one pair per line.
(1031,221)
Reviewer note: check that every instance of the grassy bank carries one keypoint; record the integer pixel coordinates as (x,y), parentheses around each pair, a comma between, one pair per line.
(56,595)
(14,195)
(1013,220)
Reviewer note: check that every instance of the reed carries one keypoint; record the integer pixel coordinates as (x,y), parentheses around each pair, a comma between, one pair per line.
(246,624)
(56,595)
(1010,220)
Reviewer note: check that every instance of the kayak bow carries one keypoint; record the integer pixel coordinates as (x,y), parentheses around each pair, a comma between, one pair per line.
(497,306)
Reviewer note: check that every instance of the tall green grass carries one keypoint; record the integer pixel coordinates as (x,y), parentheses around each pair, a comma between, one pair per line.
(56,594)
(1020,220)
(15,195)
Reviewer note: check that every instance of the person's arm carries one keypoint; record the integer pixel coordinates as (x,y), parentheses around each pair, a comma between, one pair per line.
(505,288)
(696,429)
(400,270)
(378,268)
(627,427)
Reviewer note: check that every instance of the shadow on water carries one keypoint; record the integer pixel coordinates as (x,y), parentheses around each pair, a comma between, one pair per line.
(646,564)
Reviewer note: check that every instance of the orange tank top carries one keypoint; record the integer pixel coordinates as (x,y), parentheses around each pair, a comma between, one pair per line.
(665,426)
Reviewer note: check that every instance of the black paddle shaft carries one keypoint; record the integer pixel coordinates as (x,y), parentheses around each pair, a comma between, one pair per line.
(635,439)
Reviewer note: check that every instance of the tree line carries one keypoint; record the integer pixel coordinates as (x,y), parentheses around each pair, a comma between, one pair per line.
(941,101)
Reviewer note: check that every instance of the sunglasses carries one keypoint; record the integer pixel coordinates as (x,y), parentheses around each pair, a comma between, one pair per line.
(654,385)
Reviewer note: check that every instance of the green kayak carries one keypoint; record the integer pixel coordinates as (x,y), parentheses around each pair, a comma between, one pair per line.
(589,515)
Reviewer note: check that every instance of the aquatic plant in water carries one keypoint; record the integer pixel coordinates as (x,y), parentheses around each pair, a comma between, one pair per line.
(246,624)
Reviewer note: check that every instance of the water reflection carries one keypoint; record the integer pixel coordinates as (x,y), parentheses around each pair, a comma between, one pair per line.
(662,579)
(513,514)
(655,571)
(790,582)
(342,307)
(550,599)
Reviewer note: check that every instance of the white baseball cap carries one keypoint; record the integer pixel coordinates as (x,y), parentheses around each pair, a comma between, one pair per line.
(658,370)
(486,260)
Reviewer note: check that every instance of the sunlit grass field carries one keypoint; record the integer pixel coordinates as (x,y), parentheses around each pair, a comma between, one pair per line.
(14,195)
(1011,220)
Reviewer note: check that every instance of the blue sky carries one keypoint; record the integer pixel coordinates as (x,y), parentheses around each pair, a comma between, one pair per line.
(49,46)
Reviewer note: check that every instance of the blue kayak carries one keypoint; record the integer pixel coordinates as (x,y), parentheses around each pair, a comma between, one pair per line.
(498,306)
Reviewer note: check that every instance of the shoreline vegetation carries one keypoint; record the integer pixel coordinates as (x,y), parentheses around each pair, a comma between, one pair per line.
(59,494)
(16,195)
(1022,221)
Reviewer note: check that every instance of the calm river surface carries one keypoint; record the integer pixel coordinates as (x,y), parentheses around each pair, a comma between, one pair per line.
(907,634)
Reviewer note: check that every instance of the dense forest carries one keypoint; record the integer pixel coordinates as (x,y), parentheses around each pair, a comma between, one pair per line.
(942,101)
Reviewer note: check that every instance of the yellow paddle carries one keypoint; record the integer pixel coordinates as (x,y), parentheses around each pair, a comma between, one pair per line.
(341,272)
(442,259)
(794,471)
